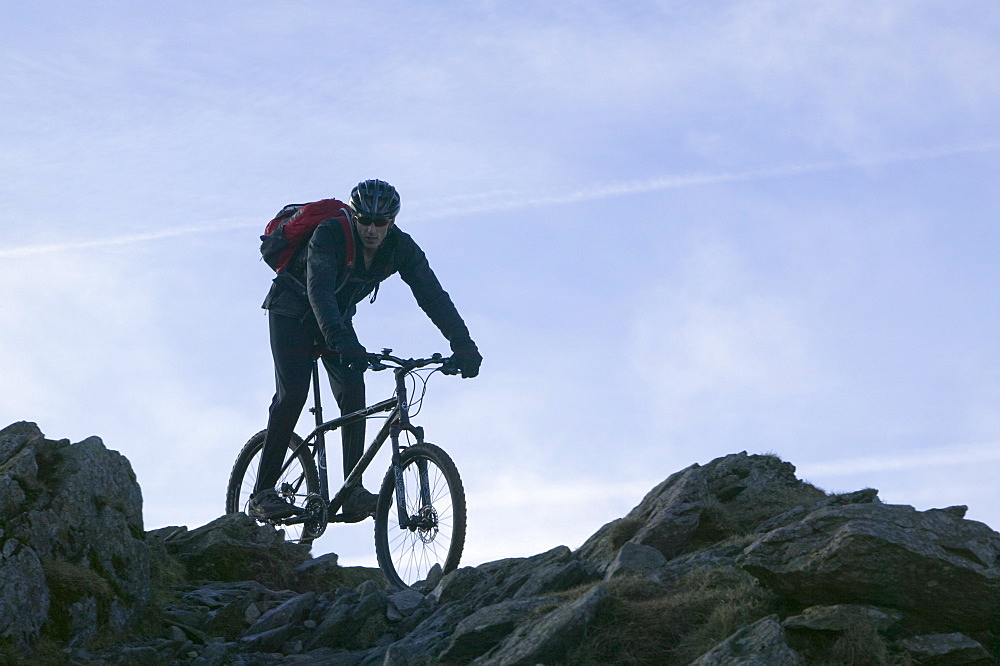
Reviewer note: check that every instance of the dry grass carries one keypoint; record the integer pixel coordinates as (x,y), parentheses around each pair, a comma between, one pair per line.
(622,530)
(721,520)
(46,652)
(858,645)
(365,636)
(69,582)
(644,623)
(663,625)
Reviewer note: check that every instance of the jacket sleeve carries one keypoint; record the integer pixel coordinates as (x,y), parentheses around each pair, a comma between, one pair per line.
(430,295)
(324,271)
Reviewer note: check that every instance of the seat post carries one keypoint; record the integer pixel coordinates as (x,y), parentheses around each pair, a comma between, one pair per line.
(317,408)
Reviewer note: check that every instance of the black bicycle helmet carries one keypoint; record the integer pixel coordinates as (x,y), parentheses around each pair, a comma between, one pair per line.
(375,199)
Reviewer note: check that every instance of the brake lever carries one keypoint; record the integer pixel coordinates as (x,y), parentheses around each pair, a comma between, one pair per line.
(375,363)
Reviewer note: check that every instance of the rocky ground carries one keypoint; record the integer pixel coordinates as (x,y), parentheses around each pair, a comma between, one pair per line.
(733,562)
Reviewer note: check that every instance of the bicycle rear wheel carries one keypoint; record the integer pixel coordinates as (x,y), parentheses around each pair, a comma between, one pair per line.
(299,479)
(435,506)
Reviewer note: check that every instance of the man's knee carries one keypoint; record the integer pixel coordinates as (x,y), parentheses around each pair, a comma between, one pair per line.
(349,389)
(289,401)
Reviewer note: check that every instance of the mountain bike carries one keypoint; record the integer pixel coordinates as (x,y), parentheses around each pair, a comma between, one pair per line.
(420,517)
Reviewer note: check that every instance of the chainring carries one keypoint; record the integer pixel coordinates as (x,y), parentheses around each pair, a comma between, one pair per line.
(314,526)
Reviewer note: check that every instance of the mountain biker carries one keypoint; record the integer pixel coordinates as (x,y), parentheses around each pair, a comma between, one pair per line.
(311,304)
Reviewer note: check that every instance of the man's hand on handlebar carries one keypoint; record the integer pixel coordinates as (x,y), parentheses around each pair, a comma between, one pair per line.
(466,360)
(463,361)
(354,356)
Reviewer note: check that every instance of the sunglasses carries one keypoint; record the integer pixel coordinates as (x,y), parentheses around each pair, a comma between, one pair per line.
(377,221)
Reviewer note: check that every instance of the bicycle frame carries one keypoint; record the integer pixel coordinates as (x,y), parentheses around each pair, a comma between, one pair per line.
(423,533)
(397,422)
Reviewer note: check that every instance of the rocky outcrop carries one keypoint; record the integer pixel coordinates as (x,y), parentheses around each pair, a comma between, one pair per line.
(700,505)
(930,564)
(733,562)
(73,556)
(233,548)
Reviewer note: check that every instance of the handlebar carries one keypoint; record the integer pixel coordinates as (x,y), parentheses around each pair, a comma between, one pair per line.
(384,360)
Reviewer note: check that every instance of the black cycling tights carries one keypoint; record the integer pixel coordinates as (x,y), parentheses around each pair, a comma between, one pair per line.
(292,344)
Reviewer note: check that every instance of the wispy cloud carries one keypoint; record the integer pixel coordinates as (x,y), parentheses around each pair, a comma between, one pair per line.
(967,454)
(500,200)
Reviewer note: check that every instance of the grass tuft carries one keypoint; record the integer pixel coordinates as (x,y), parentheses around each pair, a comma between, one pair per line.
(622,530)
(647,623)
(859,645)
(721,520)
(69,582)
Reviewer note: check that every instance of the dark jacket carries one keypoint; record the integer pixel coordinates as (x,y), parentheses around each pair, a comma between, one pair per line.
(316,286)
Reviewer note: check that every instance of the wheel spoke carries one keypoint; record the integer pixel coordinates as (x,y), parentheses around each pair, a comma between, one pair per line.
(297,481)
(438,537)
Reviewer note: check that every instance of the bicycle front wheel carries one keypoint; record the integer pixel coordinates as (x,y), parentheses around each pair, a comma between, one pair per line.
(433,531)
(298,480)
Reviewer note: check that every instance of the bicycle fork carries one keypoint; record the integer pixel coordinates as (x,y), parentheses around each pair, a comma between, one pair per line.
(420,519)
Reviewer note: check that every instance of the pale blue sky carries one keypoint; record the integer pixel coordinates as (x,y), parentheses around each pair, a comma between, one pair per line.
(677,230)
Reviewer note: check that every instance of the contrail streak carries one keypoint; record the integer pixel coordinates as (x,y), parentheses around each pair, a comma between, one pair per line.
(500,200)
(504,200)
(208,227)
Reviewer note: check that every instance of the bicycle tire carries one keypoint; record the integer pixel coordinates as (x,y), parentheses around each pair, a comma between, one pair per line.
(296,483)
(407,556)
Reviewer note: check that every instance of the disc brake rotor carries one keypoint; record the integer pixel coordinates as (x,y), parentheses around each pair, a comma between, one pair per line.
(427,524)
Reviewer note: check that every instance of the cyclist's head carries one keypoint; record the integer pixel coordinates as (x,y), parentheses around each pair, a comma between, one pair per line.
(374,202)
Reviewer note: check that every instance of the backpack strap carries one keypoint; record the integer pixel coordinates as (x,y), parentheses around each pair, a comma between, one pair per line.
(349,246)
(350,252)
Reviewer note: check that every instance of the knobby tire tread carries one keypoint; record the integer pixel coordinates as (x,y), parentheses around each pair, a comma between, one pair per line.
(387,503)
(246,456)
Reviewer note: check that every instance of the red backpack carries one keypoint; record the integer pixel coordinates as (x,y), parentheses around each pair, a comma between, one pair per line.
(292,227)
